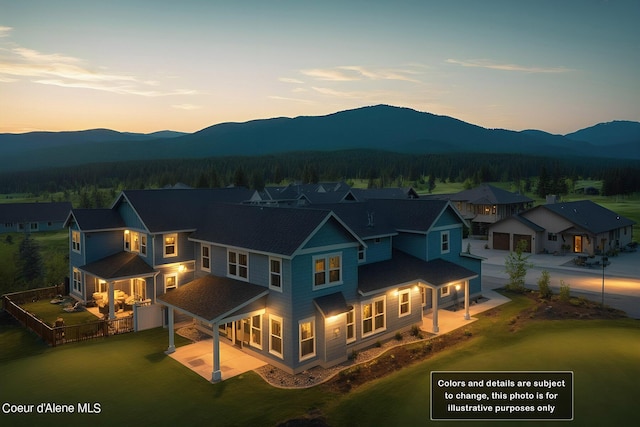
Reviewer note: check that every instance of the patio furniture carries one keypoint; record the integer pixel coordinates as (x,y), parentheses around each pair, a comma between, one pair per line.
(57,300)
(76,307)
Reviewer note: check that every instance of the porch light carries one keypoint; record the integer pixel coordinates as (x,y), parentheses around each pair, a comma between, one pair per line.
(126,231)
(181,268)
(416,288)
(457,287)
(395,293)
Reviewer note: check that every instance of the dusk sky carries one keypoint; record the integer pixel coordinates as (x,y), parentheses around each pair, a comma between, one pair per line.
(144,66)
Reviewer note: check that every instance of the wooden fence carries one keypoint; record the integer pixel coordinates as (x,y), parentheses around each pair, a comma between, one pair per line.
(64,334)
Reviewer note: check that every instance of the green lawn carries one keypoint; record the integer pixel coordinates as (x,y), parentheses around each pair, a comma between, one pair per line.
(48,313)
(135,383)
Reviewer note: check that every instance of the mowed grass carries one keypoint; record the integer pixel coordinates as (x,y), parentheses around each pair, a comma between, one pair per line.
(135,383)
(49,313)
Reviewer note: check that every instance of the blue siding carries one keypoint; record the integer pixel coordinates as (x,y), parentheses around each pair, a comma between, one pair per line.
(129,216)
(411,243)
(331,233)
(186,251)
(376,252)
(102,244)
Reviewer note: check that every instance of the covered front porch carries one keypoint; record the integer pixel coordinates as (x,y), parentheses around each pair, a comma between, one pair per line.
(215,303)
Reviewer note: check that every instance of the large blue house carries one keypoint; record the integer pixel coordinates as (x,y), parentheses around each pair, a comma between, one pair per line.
(296,286)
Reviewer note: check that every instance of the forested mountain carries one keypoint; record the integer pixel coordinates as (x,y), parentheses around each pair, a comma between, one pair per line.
(400,130)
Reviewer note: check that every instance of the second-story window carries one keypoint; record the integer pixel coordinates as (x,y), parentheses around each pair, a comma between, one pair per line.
(75,241)
(206,258)
(238,264)
(143,244)
(170,245)
(444,242)
(327,270)
(275,273)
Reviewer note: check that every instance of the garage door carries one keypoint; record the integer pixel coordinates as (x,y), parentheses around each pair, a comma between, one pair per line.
(501,241)
(521,237)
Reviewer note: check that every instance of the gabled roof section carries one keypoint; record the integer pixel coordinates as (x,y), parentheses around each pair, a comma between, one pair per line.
(404,269)
(212,298)
(36,212)
(120,266)
(414,215)
(177,210)
(522,220)
(486,194)
(589,216)
(95,219)
(275,230)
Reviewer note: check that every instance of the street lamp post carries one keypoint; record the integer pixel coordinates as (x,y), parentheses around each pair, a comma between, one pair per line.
(604,264)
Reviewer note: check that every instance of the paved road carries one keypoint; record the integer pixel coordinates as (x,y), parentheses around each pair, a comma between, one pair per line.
(621,277)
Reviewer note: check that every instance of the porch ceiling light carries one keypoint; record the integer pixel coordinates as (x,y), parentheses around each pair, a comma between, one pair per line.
(181,268)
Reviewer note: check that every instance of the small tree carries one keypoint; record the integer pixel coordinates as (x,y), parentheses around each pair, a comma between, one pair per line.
(565,291)
(543,285)
(30,265)
(516,266)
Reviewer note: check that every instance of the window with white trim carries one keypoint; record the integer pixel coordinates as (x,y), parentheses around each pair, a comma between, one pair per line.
(445,291)
(307,338)
(77,281)
(327,270)
(275,335)
(256,331)
(444,242)
(139,289)
(170,281)
(362,255)
(127,240)
(275,273)
(170,245)
(135,241)
(373,316)
(404,302)
(205,257)
(351,325)
(143,244)
(423,295)
(238,264)
(75,241)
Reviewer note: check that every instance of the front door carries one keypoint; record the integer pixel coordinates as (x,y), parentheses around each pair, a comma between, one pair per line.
(577,244)
(243,332)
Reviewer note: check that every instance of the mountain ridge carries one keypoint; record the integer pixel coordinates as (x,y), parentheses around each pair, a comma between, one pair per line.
(379,127)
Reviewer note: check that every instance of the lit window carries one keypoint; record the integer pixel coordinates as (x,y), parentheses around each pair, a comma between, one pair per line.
(170,245)
(307,339)
(275,273)
(238,263)
(275,335)
(327,270)
(373,316)
(445,291)
(206,258)
(75,241)
(256,331)
(140,289)
(135,241)
(404,302)
(127,240)
(170,282)
(143,244)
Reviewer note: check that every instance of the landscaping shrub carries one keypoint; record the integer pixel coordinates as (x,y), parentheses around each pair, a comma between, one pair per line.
(543,285)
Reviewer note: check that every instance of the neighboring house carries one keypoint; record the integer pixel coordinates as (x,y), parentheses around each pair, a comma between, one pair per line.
(582,227)
(297,287)
(33,217)
(486,205)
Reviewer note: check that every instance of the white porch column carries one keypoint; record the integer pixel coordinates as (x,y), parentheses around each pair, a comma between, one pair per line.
(434,307)
(216,375)
(466,301)
(112,294)
(172,346)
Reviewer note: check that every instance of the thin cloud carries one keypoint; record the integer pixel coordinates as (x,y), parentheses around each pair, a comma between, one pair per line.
(348,73)
(66,71)
(290,80)
(484,63)
(4,31)
(284,98)
(335,93)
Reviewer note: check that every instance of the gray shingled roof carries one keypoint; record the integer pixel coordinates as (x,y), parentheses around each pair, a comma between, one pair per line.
(332,304)
(122,265)
(211,298)
(174,210)
(404,268)
(97,219)
(589,216)
(490,195)
(36,212)
(278,230)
